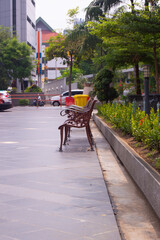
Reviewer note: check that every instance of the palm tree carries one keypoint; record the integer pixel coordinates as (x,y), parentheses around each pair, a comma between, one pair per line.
(98,8)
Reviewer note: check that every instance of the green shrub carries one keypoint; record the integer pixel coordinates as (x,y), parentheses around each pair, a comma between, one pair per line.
(143,128)
(33,88)
(102,85)
(119,115)
(23,102)
(14,90)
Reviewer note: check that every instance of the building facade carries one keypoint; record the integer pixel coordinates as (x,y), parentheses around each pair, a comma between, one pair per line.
(19,16)
(47,71)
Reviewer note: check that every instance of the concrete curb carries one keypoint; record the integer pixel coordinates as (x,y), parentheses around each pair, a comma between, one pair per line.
(147,179)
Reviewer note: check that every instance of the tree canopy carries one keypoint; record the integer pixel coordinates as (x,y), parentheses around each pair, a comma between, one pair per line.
(130,38)
(16,59)
(67,47)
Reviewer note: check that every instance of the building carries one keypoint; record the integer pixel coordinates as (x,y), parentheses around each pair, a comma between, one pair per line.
(78,21)
(19,16)
(47,71)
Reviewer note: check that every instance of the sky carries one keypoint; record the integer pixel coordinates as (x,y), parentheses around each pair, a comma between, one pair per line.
(54,12)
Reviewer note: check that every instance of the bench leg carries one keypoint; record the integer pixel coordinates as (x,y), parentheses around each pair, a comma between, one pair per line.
(61,136)
(88,131)
(91,134)
(66,135)
(69,132)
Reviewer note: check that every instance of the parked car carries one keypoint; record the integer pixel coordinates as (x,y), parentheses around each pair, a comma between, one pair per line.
(5,100)
(56,100)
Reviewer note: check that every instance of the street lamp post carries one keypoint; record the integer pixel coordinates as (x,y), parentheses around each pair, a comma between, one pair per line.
(146,72)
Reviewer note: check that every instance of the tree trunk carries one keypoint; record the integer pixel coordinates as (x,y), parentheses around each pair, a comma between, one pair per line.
(132,3)
(156,68)
(138,83)
(70,75)
(146,5)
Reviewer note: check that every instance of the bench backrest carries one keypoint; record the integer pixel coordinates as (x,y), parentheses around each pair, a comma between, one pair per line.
(81,119)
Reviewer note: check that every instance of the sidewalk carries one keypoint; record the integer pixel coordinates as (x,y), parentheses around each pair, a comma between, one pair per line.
(46,194)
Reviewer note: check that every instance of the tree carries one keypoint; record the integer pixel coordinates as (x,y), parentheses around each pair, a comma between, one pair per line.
(19,60)
(5,36)
(72,13)
(98,8)
(15,58)
(119,46)
(130,38)
(102,85)
(66,72)
(147,24)
(66,47)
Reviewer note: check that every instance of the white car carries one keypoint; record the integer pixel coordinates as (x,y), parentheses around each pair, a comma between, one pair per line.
(56,100)
(5,100)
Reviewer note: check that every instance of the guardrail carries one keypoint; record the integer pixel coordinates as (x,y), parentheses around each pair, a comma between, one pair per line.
(34,96)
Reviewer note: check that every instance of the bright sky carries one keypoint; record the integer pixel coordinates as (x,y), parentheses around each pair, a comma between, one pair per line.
(54,12)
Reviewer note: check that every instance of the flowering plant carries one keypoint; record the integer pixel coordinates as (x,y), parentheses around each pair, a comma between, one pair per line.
(143,128)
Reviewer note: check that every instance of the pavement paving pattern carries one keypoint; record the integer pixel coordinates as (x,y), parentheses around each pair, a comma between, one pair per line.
(46,194)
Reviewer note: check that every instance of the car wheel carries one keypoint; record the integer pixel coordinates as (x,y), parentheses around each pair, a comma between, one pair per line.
(56,104)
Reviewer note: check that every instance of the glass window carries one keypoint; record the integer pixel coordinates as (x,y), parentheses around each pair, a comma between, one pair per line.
(65,94)
(77,92)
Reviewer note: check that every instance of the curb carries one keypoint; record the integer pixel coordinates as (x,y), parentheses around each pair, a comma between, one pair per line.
(147,179)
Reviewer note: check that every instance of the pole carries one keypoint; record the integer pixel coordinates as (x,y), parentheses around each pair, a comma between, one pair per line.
(146,95)
(37,100)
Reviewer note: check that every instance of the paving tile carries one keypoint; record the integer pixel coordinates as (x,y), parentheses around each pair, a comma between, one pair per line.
(48,234)
(45,194)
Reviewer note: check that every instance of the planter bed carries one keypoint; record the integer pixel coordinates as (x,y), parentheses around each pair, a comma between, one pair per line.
(147,179)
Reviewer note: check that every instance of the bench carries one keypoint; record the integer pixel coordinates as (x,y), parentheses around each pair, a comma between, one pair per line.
(77,118)
(68,110)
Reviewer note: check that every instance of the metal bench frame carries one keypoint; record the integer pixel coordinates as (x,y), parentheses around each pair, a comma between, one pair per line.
(77,118)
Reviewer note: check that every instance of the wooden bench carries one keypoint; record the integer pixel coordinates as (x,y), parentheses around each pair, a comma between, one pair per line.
(77,118)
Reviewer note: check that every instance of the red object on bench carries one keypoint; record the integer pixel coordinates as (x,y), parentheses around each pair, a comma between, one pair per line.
(69,101)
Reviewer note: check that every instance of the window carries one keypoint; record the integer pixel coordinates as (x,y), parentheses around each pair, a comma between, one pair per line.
(33,25)
(76,92)
(33,2)
(14,16)
(65,94)
(29,20)
(29,44)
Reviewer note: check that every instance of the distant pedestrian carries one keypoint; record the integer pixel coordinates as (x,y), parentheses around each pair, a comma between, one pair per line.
(39,97)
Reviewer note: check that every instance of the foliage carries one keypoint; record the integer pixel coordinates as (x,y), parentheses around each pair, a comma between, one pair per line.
(66,47)
(33,88)
(80,79)
(15,58)
(3,83)
(87,67)
(143,128)
(23,102)
(14,90)
(5,37)
(72,13)
(98,8)
(66,72)
(130,38)
(102,86)
(77,76)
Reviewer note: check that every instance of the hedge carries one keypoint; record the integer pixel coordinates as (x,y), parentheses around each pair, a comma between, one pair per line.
(134,122)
